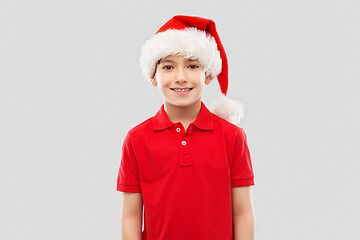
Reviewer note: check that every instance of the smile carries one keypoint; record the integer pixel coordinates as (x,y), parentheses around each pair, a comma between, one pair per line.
(181,91)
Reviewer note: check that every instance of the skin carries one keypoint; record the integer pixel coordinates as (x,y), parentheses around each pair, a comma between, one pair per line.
(180,72)
(131,216)
(243,213)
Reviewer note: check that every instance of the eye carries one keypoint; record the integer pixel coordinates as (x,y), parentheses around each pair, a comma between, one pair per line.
(167,67)
(194,66)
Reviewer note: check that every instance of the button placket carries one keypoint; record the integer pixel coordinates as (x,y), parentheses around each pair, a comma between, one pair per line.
(185,157)
(190,128)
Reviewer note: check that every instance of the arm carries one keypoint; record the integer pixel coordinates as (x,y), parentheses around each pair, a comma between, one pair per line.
(243,213)
(131,216)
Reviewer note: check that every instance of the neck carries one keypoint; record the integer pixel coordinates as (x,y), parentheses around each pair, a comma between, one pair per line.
(185,114)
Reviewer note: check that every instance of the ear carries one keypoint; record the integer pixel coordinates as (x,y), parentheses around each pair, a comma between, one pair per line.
(153,81)
(208,79)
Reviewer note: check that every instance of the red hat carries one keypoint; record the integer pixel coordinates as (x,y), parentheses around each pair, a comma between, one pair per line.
(193,37)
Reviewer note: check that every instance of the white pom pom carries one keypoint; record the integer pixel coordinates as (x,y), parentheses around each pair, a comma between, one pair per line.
(228,109)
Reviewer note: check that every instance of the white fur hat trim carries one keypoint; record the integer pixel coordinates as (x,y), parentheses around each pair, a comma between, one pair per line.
(189,42)
(228,109)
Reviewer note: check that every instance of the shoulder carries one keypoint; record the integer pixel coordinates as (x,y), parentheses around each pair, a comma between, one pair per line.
(142,127)
(137,134)
(231,133)
(225,126)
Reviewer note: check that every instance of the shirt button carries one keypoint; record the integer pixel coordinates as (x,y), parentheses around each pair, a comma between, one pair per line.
(183,143)
(178,129)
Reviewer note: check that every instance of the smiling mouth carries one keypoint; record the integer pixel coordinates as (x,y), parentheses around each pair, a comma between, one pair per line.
(181,89)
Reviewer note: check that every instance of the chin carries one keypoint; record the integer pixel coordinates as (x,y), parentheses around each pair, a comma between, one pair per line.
(184,103)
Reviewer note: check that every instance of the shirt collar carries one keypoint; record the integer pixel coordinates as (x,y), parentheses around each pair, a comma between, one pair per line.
(203,121)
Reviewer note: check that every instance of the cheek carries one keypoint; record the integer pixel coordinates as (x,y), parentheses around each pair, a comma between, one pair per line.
(200,78)
(202,85)
(163,82)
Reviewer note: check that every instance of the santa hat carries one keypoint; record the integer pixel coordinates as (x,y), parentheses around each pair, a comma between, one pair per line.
(193,37)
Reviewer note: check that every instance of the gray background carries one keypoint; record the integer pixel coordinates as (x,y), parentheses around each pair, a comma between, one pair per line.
(71,87)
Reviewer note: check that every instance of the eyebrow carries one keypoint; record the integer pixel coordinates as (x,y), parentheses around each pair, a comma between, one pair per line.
(166,60)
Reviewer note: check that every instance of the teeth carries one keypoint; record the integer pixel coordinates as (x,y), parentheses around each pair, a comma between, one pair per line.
(182,90)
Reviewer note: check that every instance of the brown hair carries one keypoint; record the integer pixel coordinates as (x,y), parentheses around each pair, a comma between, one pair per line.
(157,63)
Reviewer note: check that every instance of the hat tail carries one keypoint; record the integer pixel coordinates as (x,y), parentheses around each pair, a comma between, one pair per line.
(228,109)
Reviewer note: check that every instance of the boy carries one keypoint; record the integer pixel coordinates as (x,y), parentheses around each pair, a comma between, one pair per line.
(189,168)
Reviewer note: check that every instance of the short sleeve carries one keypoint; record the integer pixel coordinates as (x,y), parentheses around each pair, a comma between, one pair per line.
(128,176)
(241,166)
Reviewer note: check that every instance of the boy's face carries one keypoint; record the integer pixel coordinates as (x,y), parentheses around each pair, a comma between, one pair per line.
(178,72)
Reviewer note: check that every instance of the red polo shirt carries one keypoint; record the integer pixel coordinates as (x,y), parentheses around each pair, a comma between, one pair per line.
(185,177)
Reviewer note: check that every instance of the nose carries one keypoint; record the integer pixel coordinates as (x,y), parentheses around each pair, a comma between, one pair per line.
(180,75)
